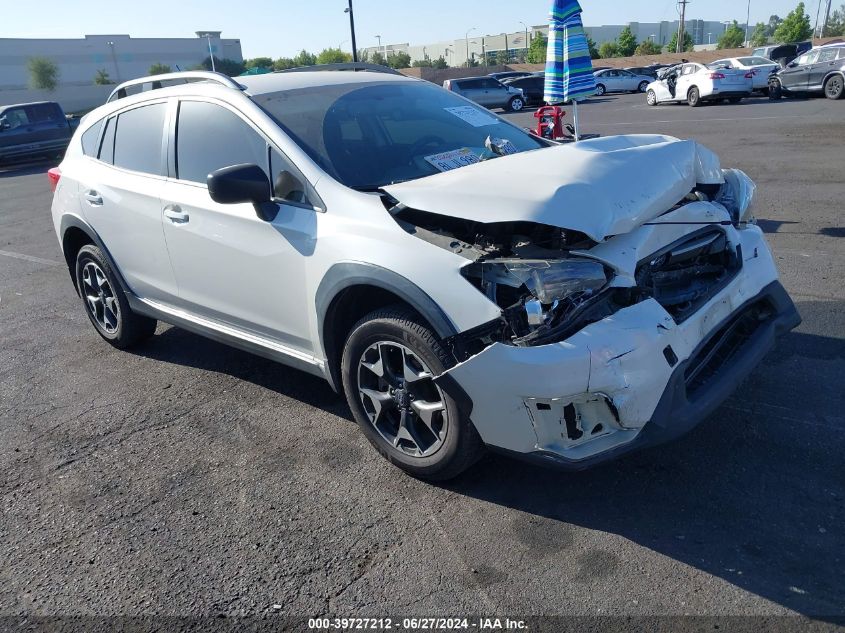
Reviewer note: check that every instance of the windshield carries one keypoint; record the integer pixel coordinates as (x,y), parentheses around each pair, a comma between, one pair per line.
(374,134)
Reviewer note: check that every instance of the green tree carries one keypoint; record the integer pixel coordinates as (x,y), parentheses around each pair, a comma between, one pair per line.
(772,25)
(733,37)
(594,50)
(226,66)
(43,73)
(608,50)
(258,62)
(102,78)
(378,59)
(284,63)
(440,63)
(836,23)
(672,46)
(159,69)
(472,62)
(305,58)
(502,58)
(647,47)
(538,48)
(758,35)
(626,43)
(333,56)
(399,60)
(795,26)
(422,63)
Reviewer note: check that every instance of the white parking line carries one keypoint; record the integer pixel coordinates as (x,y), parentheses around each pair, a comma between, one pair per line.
(30,258)
(748,118)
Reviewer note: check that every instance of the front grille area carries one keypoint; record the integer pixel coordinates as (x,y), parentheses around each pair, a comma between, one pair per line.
(724,344)
(685,275)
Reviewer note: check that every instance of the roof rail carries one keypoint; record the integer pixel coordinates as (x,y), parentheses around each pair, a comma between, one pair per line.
(155,81)
(353,66)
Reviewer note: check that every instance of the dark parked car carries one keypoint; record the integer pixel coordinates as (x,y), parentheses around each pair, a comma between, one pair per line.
(821,70)
(532,86)
(650,71)
(783,53)
(29,130)
(508,74)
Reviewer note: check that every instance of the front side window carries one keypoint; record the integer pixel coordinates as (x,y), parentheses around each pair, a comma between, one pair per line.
(16,117)
(807,58)
(210,137)
(373,134)
(137,139)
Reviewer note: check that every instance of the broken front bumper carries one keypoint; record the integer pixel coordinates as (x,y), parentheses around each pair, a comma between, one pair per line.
(634,379)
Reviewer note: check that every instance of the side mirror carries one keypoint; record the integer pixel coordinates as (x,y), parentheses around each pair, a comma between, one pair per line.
(791,64)
(243,183)
(4,124)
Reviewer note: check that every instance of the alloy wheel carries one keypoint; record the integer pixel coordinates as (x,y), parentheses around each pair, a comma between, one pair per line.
(834,87)
(401,400)
(99,297)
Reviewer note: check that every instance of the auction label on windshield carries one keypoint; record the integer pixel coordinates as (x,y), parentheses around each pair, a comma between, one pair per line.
(473,116)
(453,160)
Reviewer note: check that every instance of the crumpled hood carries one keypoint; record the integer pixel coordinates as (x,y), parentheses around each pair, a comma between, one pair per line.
(600,187)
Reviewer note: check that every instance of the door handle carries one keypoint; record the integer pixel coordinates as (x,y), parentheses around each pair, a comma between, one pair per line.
(175,214)
(93,198)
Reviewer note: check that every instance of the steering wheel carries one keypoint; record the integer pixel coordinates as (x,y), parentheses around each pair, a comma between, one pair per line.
(422,143)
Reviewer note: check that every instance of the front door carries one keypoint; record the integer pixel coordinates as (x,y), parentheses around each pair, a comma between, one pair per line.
(231,266)
(796,76)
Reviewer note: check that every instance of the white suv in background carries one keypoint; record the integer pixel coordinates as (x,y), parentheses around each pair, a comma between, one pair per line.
(464,283)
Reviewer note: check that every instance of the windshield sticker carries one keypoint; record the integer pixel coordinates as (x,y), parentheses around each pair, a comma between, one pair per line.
(473,116)
(447,161)
(500,146)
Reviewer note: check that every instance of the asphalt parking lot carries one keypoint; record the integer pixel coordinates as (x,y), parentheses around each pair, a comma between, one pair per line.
(189,479)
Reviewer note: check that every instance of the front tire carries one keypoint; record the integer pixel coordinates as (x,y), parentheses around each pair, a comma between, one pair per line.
(694,97)
(775,91)
(105,302)
(834,87)
(651,98)
(388,366)
(517,104)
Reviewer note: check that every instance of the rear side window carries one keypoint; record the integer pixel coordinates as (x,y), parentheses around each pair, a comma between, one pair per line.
(137,139)
(107,146)
(90,138)
(210,137)
(827,55)
(45,113)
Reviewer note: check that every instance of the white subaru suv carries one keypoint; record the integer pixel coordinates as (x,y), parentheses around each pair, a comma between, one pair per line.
(464,283)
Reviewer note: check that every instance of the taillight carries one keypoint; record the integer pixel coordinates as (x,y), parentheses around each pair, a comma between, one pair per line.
(749,75)
(53,175)
(716,76)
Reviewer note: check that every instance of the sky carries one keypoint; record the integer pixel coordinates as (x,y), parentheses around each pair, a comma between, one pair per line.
(277,28)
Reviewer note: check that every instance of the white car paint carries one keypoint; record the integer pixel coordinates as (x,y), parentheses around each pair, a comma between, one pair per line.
(712,85)
(257,284)
(656,171)
(759,67)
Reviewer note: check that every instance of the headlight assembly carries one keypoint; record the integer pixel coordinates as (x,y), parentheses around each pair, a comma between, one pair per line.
(737,195)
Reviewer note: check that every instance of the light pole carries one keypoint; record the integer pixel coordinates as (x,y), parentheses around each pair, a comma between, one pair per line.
(466,37)
(352,31)
(114,59)
(378,37)
(709,38)
(210,52)
(747,20)
(527,42)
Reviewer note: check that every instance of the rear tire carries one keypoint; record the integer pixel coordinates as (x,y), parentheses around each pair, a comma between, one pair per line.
(105,302)
(643,86)
(388,363)
(600,90)
(693,97)
(834,87)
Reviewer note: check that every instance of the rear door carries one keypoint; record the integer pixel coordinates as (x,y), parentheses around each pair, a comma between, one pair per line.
(627,81)
(120,198)
(50,127)
(825,63)
(471,89)
(495,93)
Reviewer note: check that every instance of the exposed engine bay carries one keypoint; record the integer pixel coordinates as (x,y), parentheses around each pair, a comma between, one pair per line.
(547,284)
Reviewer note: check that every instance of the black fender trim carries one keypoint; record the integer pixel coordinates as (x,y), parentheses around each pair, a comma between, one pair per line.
(345,275)
(73,221)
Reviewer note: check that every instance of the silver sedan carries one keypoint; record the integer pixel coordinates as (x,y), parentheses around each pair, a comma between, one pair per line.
(619,80)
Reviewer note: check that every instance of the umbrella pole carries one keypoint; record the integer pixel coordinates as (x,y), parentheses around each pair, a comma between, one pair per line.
(575,117)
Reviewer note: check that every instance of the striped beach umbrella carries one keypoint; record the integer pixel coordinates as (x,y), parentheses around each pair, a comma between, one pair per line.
(569,69)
